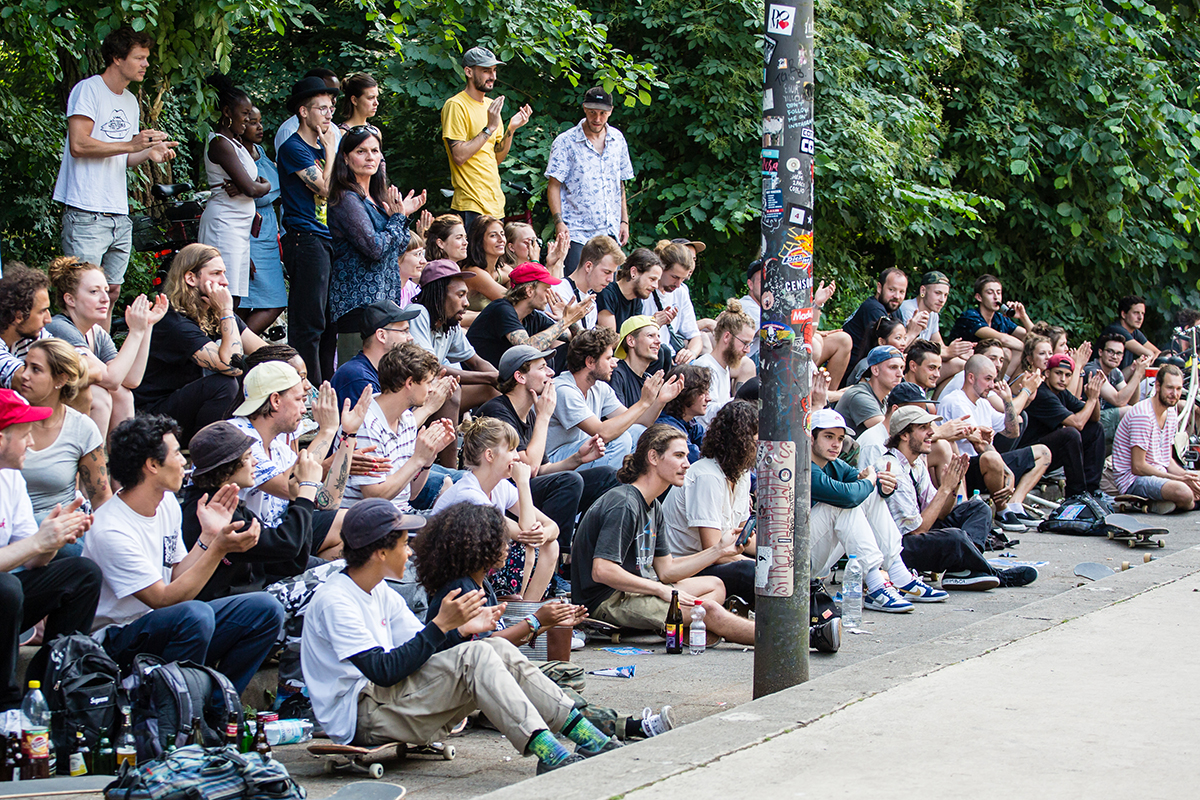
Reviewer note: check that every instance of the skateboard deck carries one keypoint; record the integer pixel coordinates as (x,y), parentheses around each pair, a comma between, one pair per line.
(1123,527)
(51,787)
(1131,502)
(1092,571)
(369,790)
(601,630)
(367,759)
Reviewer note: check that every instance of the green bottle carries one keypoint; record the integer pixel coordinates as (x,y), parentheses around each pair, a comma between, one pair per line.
(106,758)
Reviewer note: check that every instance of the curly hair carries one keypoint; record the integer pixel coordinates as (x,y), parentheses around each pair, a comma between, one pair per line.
(462,540)
(732,438)
(440,228)
(404,361)
(219,475)
(589,344)
(657,437)
(270,352)
(134,441)
(696,381)
(17,291)
(65,274)
(64,363)
(481,434)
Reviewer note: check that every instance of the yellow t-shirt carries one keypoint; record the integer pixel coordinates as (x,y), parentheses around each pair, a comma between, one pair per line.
(477,182)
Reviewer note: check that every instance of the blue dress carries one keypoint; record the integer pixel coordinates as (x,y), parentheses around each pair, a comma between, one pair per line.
(267,289)
(367,245)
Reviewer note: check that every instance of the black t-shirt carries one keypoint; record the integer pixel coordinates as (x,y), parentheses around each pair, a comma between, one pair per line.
(612,301)
(627,383)
(488,334)
(862,324)
(618,527)
(1048,410)
(1137,336)
(169,365)
(501,408)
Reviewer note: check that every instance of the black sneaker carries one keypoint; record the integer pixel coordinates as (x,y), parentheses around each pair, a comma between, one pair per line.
(1018,576)
(298,706)
(826,637)
(610,745)
(970,581)
(574,758)
(1032,520)
(1009,522)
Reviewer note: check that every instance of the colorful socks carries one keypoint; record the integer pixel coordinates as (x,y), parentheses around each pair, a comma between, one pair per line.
(547,749)
(583,733)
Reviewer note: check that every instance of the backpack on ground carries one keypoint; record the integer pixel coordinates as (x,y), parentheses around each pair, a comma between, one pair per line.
(821,607)
(168,697)
(197,773)
(82,686)
(1079,515)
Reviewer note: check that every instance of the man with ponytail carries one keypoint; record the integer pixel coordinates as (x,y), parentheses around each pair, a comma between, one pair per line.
(732,338)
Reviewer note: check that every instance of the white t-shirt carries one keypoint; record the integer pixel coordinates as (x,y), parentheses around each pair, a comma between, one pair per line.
(269,508)
(53,472)
(134,552)
(98,184)
(16,511)
(704,501)
(468,490)
(573,408)
(956,404)
(684,322)
(342,621)
(566,290)
(720,391)
(908,308)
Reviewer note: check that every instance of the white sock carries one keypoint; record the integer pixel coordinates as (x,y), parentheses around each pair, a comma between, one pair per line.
(1015,508)
(899,574)
(875,580)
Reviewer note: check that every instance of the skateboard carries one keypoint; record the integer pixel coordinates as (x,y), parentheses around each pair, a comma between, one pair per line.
(1124,503)
(1092,571)
(367,759)
(602,630)
(369,790)
(1146,559)
(1122,527)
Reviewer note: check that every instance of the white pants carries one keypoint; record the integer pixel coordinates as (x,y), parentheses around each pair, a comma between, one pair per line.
(867,531)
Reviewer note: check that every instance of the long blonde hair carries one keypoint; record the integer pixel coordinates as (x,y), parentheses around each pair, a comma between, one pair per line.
(186,299)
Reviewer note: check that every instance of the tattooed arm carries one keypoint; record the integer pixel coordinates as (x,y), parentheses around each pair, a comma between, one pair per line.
(93,474)
(330,494)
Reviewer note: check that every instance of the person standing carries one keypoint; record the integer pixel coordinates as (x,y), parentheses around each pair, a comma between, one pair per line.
(103,139)
(292,123)
(305,163)
(360,101)
(471,132)
(266,296)
(228,219)
(587,170)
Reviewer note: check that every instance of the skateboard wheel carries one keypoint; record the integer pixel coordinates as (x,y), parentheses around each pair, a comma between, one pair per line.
(1110,534)
(1161,543)
(1146,559)
(448,753)
(1124,566)
(1132,543)
(376,770)
(329,766)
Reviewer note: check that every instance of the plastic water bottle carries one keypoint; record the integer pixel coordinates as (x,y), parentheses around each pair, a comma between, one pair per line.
(975,496)
(852,594)
(35,731)
(288,731)
(698,636)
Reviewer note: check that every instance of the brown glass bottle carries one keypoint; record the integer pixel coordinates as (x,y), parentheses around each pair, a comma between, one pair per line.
(196,734)
(261,746)
(674,626)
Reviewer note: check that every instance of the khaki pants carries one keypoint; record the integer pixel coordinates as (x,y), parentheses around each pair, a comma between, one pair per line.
(490,675)
(640,612)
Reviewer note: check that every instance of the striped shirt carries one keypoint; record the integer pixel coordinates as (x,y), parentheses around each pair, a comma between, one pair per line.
(396,446)
(13,360)
(1139,428)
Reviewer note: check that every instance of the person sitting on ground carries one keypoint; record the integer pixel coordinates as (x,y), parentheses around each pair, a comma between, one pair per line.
(686,410)
(375,674)
(490,454)
(1131,313)
(732,336)
(715,499)
(939,536)
(625,297)
(457,549)
(1142,449)
(599,261)
(446,238)
(382,326)
(849,517)
(872,444)
(923,365)
(994,319)
(934,291)
(151,578)
(996,353)
(1117,395)
(638,350)
(888,332)
(587,406)
(1070,427)
(197,347)
(24,315)
(81,291)
(622,569)
(406,380)
(862,404)
(516,319)
(67,449)
(527,401)
(1059,345)
(681,339)
(1008,477)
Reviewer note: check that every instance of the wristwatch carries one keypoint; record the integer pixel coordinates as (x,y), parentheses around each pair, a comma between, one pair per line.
(487,131)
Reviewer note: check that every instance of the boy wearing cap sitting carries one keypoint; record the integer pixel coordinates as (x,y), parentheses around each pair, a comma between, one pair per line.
(1070,427)
(375,674)
(934,291)
(638,347)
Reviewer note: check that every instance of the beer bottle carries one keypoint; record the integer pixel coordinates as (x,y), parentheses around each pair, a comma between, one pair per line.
(261,746)
(674,625)
(16,757)
(231,733)
(10,763)
(105,760)
(127,746)
(76,763)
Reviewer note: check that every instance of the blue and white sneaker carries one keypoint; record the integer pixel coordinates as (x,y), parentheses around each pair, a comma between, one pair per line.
(921,592)
(886,599)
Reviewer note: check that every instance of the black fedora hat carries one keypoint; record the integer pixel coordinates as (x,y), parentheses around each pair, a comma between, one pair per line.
(306,88)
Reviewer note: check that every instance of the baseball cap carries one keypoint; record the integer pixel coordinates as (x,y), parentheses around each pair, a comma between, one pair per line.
(906,393)
(530,272)
(514,357)
(370,520)
(880,354)
(909,415)
(933,276)
(634,323)
(756,267)
(382,313)
(441,268)
(1059,360)
(699,247)
(217,444)
(480,57)
(263,381)
(14,410)
(826,418)
(597,99)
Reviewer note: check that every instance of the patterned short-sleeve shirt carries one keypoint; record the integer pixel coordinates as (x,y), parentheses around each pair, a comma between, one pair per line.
(591,195)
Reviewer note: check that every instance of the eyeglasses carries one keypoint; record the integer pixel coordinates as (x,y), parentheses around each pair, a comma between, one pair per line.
(396,330)
(746,345)
(1113,352)
(323,110)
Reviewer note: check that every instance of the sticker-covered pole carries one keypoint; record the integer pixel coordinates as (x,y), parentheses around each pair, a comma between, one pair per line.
(785,349)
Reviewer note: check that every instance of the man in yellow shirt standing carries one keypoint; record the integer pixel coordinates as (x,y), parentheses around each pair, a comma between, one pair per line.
(471,129)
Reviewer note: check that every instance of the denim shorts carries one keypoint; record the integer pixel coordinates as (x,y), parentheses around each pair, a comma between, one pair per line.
(1147,486)
(98,239)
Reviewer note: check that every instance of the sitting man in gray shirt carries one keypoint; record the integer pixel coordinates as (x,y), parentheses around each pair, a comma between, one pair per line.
(862,404)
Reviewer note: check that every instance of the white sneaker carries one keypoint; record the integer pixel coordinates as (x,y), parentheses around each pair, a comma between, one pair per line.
(654,724)
(577,640)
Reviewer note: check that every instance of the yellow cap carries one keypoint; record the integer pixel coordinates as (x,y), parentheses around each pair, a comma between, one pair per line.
(35,684)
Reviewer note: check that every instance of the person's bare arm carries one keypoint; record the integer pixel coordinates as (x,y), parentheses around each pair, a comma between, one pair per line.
(1091,406)
(554,201)
(221,152)
(614,576)
(1125,394)
(1142,467)
(62,526)
(606,319)
(83,145)
(672,569)
(93,474)
(473,372)
(482,283)
(543,340)
(518,119)
(412,473)
(1008,340)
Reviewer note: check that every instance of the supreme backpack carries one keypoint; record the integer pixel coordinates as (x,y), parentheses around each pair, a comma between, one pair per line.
(82,685)
(168,697)
(1079,515)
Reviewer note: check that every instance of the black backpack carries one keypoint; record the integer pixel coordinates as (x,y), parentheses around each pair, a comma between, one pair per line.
(1079,515)
(821,607)
(82,686)
(167,697)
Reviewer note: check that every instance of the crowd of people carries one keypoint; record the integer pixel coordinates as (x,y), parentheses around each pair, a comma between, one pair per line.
(569,434)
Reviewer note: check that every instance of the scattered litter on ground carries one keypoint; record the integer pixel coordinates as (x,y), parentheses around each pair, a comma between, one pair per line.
(614,672)
(627,651)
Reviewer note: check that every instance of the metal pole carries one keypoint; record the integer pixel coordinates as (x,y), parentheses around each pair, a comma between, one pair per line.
(785,350)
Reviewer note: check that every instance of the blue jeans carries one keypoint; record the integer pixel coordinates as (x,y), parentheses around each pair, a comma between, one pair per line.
(614,452)
(433,485)
(233,634)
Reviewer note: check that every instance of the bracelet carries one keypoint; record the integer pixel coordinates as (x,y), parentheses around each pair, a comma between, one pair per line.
(346,436)
(1025,390)
(222,319)
(534,623)
(313,484)
(624,222)
(202,545)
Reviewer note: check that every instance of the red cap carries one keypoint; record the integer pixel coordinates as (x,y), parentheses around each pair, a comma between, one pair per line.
(1060,359)
(14,410)
(530,272)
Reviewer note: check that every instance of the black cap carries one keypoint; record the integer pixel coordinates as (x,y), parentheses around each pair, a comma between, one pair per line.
(906,393)
(217,444)
(368,521)
(382,313)
(597,99)
(756,266)
(305,88)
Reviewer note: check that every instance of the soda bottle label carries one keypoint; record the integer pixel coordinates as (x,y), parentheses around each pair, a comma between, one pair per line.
(37,743)
(77,766)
